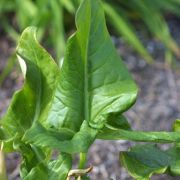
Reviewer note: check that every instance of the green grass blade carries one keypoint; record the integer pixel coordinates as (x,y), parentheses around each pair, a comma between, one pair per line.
(122,26)
(58,34)
(6,71)
(156,24)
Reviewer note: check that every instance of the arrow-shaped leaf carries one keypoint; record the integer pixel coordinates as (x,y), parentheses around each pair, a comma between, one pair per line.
(92,84)
(93,80)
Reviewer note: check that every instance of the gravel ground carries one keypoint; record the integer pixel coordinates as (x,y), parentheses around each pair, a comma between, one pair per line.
(156,109)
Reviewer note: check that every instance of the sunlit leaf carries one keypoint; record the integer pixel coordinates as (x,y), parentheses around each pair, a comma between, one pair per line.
(82,94)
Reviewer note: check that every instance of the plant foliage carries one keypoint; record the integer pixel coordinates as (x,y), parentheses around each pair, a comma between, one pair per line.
(55,17)
(66,108)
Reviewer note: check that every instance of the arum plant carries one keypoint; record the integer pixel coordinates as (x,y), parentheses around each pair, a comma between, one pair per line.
(66,108)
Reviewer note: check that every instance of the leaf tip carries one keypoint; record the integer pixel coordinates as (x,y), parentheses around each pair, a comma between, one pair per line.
(29,32)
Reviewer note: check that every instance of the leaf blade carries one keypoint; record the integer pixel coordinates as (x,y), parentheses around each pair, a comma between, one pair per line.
(93,56)
(80,142)
(32,101)
(56,169)
(143,161)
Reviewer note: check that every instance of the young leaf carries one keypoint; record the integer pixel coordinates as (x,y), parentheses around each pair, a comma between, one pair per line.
(32,102)
(56,169)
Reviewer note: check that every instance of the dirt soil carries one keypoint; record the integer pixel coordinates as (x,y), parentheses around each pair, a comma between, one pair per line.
(157,107)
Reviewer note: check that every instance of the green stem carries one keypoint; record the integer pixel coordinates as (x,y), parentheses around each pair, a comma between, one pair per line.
(82,160)
(158,137)
(3,174)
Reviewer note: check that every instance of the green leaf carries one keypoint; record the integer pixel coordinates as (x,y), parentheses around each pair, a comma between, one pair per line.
(114,122)
(143,161)
(56,169)
(80,142)
(32,102)
(176,125)
(31,157)
(120,131)
(2,134)
(38,172)
(82,94)
(59,168)
(142,136)
(117,121)
(174,168)
(176,128)
(94,82)
(6,6)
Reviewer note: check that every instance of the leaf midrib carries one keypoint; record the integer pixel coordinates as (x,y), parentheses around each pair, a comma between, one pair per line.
(86,81)
(38,102)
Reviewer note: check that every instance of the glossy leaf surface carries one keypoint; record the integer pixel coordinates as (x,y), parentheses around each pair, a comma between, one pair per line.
(93,84)
(145,160)
(67,108)
(32,102)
